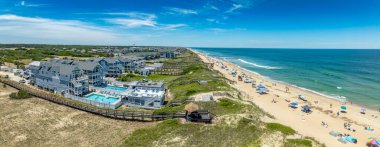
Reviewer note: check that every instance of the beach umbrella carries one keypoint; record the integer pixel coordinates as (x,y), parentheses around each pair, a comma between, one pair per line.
(343,108)
(306,108)
(293,104)
(334,133)
(373,141)
(261,86)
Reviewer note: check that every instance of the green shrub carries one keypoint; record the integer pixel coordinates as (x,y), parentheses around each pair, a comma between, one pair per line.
(298,143)
(169,110)
(279,127)
(190,92)
(191,68)
(20,95)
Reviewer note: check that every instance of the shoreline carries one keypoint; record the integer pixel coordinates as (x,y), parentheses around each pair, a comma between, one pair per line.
(331,97)
(324,107)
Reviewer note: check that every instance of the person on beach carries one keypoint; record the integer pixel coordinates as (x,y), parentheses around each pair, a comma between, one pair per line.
(287,89)
(330,105)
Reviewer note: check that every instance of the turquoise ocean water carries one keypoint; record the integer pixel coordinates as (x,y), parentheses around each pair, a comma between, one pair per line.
(334,72)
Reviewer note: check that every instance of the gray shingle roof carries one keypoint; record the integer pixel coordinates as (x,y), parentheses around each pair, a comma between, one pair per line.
(63,69)
(86,65)
(111,60)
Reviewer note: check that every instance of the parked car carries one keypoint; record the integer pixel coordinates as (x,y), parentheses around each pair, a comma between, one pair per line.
(6,76)
(22,81)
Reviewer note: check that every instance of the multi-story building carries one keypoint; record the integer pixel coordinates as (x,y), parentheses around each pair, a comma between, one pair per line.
(146,94)
(94,72)
(132,63)
(58,78)
(114,67)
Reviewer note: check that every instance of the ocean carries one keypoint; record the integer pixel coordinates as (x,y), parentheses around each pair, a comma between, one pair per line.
(354,74)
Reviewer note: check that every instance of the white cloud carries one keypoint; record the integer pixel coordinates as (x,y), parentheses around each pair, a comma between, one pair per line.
(170,26)
(214,7)
(138,19)
(138,15)
(25,4)
(213,20)
(19,29)
(218,30)
(181,11)
(208,6)
(234,7)
(132,23)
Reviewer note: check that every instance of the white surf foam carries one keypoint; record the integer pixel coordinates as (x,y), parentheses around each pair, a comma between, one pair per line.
(259,66)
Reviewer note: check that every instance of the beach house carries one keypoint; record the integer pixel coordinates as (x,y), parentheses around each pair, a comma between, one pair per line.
(58,78)
(132,64)
(146,94)
(93,70)
(114,67)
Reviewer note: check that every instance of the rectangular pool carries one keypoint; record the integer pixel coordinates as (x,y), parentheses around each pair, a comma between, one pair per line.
(101,98)
(116,88)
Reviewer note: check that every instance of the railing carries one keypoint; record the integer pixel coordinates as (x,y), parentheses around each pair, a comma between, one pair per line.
(109,113)
(113,105)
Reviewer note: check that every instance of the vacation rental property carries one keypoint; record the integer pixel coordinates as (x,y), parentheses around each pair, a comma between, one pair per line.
(132,63)
(74,79)
(114,67)
(58,78)
(146,94)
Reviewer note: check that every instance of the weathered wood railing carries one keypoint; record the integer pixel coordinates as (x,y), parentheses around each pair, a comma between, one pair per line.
(109,113)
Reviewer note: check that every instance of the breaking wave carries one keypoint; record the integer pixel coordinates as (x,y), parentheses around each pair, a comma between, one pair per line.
(259,66)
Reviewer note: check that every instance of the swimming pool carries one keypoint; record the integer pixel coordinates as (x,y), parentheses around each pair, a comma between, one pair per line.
(101,98)
(116,88)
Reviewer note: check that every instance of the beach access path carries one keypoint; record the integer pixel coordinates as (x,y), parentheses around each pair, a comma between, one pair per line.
(304,124)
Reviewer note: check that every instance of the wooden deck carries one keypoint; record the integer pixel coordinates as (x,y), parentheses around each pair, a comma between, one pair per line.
(109,113)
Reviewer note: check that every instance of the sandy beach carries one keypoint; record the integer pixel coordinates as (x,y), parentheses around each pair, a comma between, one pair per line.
(325,109)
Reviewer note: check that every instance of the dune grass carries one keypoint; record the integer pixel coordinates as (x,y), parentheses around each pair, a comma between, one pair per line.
(223,107)
(298,143)
(281,128)
(173,133)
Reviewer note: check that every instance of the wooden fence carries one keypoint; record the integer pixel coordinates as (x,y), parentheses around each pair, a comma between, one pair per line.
(109,113)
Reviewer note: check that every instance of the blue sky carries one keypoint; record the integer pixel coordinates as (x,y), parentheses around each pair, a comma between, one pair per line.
(195,23)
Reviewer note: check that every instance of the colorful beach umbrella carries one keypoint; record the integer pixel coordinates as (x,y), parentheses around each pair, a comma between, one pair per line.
(293,103)
(373,141)
(343,107)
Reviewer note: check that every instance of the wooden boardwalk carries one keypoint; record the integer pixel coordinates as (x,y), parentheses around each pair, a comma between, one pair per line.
(109,113)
